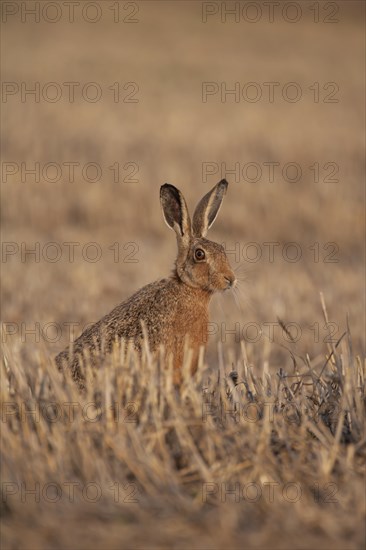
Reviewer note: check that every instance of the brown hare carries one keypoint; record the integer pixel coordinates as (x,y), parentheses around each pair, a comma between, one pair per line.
(172,312)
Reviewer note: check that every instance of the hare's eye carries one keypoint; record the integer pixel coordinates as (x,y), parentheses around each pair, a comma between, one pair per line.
(199,254)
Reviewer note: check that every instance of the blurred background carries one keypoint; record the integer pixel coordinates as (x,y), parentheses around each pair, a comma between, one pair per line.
(130,95)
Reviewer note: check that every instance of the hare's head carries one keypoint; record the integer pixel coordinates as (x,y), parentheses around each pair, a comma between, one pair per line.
(200,263)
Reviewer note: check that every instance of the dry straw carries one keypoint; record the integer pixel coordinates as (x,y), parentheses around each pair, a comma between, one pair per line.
(200,454)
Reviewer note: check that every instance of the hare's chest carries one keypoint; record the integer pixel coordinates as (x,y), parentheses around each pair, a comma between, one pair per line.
(192,325)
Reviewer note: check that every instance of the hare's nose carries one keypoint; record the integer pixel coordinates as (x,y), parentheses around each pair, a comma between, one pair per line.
(231,281)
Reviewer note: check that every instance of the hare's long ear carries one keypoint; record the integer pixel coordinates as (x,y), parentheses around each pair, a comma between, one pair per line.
(176,212)
(208,208)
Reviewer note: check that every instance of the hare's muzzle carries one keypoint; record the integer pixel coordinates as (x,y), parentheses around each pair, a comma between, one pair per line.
(231,281)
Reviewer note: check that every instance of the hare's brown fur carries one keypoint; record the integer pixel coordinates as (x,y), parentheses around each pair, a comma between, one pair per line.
(173,311)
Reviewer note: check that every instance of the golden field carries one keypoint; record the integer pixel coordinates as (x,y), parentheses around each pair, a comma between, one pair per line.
(273,458)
